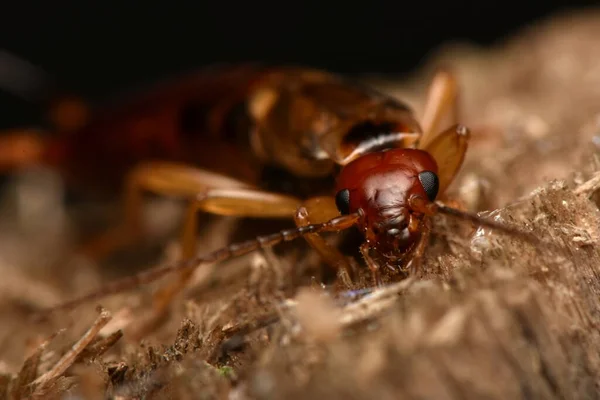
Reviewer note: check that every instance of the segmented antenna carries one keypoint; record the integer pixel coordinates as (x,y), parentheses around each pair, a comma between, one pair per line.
(500,227)
(223,254)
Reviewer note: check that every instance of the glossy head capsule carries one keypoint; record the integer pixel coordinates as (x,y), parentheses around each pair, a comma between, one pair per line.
(378,186)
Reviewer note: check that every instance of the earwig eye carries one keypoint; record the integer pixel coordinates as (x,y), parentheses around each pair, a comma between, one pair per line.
(431,184)
(342,201)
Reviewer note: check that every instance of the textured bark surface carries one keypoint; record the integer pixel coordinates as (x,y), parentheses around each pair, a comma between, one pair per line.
(491,316)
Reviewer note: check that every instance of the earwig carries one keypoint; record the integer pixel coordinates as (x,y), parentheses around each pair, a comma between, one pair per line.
(215,134)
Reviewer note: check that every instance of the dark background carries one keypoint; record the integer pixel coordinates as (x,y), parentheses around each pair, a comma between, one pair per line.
(98,48)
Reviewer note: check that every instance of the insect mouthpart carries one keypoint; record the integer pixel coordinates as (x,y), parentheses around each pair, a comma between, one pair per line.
(392,228)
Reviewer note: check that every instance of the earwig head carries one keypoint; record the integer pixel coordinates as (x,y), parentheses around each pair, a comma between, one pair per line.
(378,186)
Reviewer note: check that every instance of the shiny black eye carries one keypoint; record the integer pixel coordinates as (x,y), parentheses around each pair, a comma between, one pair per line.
(342,201)
(431,184)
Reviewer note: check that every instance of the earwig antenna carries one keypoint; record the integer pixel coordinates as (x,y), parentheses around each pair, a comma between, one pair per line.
(507,229)
(220,255)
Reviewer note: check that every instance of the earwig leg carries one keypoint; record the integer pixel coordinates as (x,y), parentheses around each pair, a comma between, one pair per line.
(209,192)
(442,101)
(449,149)
(317,210)
(160,178)
(372,264)
(414,265)
(240,202)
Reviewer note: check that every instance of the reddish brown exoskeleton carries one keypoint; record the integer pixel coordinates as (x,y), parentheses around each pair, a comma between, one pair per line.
(208,138)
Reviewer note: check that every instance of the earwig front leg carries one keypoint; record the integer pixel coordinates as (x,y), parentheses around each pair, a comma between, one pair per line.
(317,210)
(448,149)
(442,101)
(414,265)
(234,202)
(371,263)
